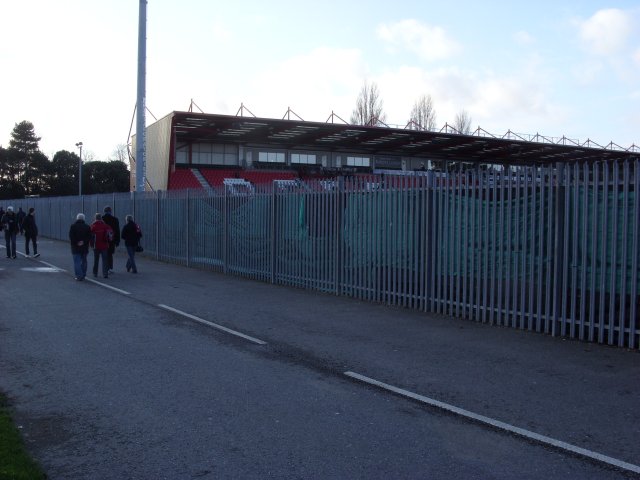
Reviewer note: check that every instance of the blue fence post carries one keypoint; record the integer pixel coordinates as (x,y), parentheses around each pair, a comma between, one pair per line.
(188,231)
(157,193)
(558,249)
(339,188)
(225,230)
(273,233)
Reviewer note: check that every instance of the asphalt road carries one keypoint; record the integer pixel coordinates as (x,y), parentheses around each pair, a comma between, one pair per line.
(108,384)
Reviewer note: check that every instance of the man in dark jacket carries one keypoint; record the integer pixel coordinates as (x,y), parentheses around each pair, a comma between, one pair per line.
(21,216)
(80,237)
(113,222)
(30,232)
(10,223)
(131,234)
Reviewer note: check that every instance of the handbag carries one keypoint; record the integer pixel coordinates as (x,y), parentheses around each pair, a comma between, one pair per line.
(139,248)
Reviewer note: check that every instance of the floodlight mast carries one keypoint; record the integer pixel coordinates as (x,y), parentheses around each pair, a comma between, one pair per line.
(79,145)
(141,140)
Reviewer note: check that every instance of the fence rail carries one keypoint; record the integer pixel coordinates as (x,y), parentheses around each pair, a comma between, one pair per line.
(551,249)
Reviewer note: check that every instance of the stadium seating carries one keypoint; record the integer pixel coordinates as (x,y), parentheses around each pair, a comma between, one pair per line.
(216,177)
(258,177)
(183,178)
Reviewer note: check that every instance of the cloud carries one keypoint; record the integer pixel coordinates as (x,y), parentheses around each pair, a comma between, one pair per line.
(611,44)
(606,32)
(589,71)
(521,101)
(220,32)
(428,42)
(523,38)
(311,84)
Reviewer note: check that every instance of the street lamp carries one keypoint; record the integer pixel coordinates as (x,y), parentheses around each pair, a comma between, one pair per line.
(79,145)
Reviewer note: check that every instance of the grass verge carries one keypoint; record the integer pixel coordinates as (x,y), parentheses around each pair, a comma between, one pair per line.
(15,463)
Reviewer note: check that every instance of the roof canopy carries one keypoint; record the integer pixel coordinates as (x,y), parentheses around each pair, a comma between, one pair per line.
(375,140)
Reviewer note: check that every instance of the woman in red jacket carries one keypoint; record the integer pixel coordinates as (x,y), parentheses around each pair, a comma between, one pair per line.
(102,235)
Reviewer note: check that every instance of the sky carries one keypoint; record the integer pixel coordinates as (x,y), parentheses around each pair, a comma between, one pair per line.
(557,68)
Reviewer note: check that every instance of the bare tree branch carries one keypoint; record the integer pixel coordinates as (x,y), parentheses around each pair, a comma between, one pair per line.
(463,122)
(368,109)
(121,153)
(88,156)
(423,114)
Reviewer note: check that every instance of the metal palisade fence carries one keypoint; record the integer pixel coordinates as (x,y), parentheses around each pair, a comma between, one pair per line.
(550,249)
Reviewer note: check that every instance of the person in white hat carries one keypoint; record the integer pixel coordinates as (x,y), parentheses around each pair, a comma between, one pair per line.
(80,238)
(10,224)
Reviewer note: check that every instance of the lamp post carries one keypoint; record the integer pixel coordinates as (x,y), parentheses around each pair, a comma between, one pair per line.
(79,145)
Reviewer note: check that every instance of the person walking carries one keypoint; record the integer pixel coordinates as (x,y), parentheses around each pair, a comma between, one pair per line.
(114,223)
(10,224)
(20,216)
(102,235)
(30,232)
(80,237)
(131,234)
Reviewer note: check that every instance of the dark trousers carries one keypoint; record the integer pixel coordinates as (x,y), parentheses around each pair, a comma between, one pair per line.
(110,251)
(33,241)
(10,239)
(96,259)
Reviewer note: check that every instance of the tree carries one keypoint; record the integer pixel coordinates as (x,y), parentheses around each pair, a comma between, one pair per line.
(63,174)
(35,180)
(121,153)
(368,109)
(9,168)
(29,163)
(9,185)
(88,156)
(462,125)
(104,177)
(10,189)
(24,139)
(423,114)
(25,170)
(463,122)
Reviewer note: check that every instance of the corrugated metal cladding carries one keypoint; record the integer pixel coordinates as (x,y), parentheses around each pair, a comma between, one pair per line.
(158,150)
(551,249)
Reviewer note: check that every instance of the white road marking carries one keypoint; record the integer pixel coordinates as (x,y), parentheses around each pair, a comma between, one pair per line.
(52,266)
(41,269)
(211,324)
(498,424)
(124,292)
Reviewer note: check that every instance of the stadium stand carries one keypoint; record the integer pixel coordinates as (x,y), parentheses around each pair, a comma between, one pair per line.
(183,178)
(216,177)
(261,176)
